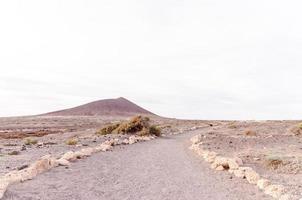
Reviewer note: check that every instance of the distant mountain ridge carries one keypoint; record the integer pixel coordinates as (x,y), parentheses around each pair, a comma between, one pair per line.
(106,107)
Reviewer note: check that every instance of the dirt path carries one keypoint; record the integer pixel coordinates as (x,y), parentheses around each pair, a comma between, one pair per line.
(160,169)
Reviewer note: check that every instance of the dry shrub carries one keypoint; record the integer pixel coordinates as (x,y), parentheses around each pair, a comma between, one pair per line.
(137,124)
(250,133)
(71,141)
(232,125)
(30,141)
(297,130)
(154,130)
(107,129)
(14,153)
(273,162)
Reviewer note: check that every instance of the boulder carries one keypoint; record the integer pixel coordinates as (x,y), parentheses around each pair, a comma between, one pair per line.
(263,183)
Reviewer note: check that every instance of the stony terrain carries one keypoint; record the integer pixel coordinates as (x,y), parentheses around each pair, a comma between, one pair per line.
(161,169)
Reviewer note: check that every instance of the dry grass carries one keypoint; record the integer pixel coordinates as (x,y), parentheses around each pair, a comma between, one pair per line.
(72,141)
(30,141)
(250,133)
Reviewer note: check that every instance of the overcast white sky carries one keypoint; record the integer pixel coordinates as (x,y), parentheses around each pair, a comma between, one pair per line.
(205,59)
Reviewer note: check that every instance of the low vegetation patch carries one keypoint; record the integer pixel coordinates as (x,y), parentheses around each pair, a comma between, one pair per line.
(107,129)
(30,141)
(137,125)
(232,125)
(72,141)
(14,153)
(273,162)
(297,130)
(250,133)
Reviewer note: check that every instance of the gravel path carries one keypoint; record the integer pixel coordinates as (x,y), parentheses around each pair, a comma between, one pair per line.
(156,170)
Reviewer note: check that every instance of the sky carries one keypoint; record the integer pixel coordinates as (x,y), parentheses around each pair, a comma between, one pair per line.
(193,59)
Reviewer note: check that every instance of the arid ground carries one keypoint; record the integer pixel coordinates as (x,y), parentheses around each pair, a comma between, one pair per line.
(163,168)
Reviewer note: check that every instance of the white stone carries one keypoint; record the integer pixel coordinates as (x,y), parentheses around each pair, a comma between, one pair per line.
(125,141)
(239,173)
(196,139)
(252,176)
(87,151)
(263,183)
(63,162)
(70,156)
(132,140)
(210,157)
(105,147)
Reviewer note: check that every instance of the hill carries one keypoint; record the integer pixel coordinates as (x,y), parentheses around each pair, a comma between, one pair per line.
(107,107)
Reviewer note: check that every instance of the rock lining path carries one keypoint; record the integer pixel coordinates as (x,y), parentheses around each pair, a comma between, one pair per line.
(161,169)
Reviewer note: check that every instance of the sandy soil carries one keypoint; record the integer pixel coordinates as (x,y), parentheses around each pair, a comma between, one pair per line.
(159,169)
(154,170)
